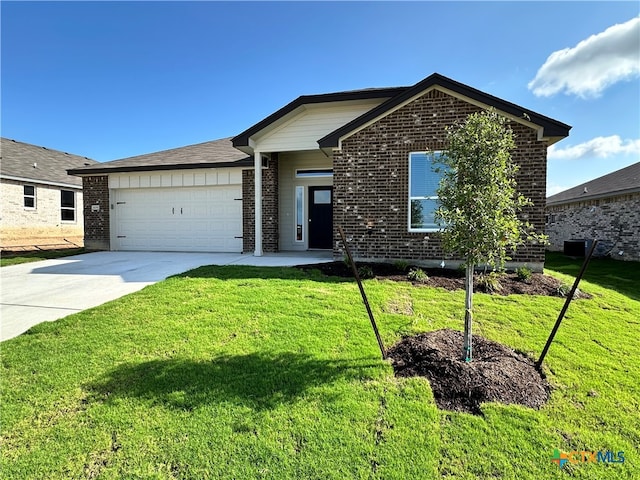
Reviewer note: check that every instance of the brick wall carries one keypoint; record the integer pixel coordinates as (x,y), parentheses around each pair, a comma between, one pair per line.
(615,221)
(371,180)
(43,225)
(270,232)
(97,235)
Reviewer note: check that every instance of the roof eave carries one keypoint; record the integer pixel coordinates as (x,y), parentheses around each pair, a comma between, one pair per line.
(81,172)
(242,140)
(598,196)
(40,181)
(552,129)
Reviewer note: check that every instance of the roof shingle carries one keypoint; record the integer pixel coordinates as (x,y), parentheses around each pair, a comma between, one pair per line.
(625,180)
(39,164)
(216,153)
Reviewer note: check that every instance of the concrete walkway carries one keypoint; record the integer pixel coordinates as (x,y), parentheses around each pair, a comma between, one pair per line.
(37,292)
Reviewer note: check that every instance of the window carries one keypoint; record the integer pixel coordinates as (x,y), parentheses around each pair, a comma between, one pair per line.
(423,186)
(314,173)
(299,213)
(68,205)
(29,196)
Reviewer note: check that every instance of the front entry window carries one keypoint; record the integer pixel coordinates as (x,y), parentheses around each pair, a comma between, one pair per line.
(299,214)
(322,197)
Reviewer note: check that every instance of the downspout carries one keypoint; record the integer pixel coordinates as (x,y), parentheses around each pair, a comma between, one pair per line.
(257,161)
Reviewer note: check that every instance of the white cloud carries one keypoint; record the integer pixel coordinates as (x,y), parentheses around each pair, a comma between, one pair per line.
(599,147)
(593,64)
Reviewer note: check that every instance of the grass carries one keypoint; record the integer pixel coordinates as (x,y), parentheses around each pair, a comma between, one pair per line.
(243,372)
(36,256)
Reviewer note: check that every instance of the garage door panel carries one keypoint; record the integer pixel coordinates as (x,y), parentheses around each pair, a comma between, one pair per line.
(207,219)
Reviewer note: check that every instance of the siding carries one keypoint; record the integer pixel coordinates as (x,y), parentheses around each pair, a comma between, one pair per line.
(177,178)
(314,122)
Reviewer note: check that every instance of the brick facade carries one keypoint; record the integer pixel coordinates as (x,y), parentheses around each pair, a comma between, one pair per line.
(42,225)
(97,234)
(371,181)
(270,232)
(615,221)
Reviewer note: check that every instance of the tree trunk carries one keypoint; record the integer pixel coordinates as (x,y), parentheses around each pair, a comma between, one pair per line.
(468,311)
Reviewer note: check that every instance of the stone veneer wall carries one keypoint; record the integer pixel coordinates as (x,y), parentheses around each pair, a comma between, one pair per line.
(615,221)
(371,181)
(270,232)
(97,232)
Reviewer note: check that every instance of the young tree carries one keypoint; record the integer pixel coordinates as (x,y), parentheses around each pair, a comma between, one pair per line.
(478,201)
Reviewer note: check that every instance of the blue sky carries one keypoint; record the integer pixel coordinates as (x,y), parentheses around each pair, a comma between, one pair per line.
(110,80)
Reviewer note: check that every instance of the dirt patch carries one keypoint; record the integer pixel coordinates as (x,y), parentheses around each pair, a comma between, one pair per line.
(509,283)
(496,374)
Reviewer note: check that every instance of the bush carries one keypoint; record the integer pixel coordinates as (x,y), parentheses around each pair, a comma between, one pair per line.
(524,273)
(490,282)
(401,265)
(365,271)
(565,288)
(417,275)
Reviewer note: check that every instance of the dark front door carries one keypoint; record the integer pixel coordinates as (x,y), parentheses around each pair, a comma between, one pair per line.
(320,217)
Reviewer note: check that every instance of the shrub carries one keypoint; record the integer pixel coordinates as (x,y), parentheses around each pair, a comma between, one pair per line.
(401,265)
(524,273)
(365,271)
(417,275)
(565,288)
(490,282)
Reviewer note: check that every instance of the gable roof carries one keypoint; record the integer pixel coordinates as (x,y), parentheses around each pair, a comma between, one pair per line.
(214,154)
(395,97)
(242,139)
(623,181)
(551,128)
(30,163)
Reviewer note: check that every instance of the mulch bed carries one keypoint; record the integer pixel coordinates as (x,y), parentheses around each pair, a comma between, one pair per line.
(510,284)
(496,373)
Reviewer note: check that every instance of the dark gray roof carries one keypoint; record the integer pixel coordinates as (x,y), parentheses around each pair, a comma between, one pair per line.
(23,161)
(214,154)
(551,127)
(623,181)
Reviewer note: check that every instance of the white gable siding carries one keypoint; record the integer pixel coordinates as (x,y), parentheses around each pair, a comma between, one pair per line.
(177,178)
(303,131)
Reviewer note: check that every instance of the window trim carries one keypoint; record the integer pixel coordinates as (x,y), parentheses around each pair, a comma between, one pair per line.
(411,198)
(34,196)
(73,209)
(314,173)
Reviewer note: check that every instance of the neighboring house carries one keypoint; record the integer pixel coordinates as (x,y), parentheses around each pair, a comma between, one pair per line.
(354,159)
(41,204)
(605,209)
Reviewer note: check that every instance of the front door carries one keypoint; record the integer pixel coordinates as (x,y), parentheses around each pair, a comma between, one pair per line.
(320,217)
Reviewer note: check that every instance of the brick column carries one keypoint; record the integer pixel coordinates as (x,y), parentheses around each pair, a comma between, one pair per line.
(97,212)
(270,229)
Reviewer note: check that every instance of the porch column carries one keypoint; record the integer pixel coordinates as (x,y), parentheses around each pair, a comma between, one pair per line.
(257,161)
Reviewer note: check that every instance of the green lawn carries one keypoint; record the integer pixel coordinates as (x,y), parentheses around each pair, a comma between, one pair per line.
(36,256)
(243,373)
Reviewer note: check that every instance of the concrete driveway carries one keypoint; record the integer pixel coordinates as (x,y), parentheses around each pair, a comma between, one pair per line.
(37,292)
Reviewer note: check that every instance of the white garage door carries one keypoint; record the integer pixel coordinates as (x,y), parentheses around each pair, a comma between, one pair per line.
(189,219)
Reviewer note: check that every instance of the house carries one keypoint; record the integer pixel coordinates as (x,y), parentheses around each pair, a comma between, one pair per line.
(41,203)
(354,159)
(606,209)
